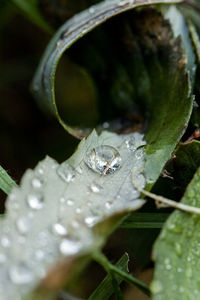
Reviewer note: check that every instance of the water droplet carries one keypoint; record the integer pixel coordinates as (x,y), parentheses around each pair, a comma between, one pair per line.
(131,144)
(79,170)
(69,247)
(70,202)
(41,171)
(91,10)
(21,274)
(179,270)
(139,154)
(37,183)
(66,172)
(59,229)
(95,188)
(156,287)
(59,43)
(103,159)
(125,2)
(91,221)
(174,228)
(106,125)
(78,210)
(108,205)
(5,242)
(167,264)
(35,201)
(23,225)
(178,249)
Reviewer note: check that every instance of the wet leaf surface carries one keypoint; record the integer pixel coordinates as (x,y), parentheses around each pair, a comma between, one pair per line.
(94,185)
(177,253)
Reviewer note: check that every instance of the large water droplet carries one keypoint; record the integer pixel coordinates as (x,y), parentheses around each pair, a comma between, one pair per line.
(69,247)
(103,159)
(21,274)
(35,201)
(59,229)
(66,172)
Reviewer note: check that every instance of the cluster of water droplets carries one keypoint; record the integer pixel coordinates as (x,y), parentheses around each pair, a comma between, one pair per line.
(51,215)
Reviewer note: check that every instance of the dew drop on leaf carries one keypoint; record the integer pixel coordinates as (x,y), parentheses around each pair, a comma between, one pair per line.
(37,183)
(95,187)
(130,144)
(66,172)
(70,202)
(35,202)
(20,274)
(178,249)
(59,229)
(23,225)
(103,159)
(5,242)
(69,247)
(90,221)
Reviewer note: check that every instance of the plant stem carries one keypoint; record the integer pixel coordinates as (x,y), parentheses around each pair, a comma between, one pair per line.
(172,203)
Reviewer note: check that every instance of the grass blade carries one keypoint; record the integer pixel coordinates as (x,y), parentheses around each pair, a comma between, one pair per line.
(6,182)
(145,220)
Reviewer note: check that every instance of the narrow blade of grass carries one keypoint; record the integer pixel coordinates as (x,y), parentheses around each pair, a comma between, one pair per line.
(31,11)
(145,220)
(104,262)
(6,182)
(105,288)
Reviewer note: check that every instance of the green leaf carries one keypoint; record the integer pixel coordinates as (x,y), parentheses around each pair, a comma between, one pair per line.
(145,220)
(167,96)
(30,10)
(69,33)
(6,182)
(177,252)
(105,288)
(84,199)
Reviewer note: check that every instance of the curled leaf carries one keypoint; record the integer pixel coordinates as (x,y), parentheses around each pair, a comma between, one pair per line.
(43,83)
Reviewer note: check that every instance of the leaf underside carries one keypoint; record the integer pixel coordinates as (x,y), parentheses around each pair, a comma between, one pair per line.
(76,199)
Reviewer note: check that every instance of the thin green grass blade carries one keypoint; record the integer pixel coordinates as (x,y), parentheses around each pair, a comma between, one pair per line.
(102,260)
(6,182)
(145,220)
(30,10)
(105,288)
